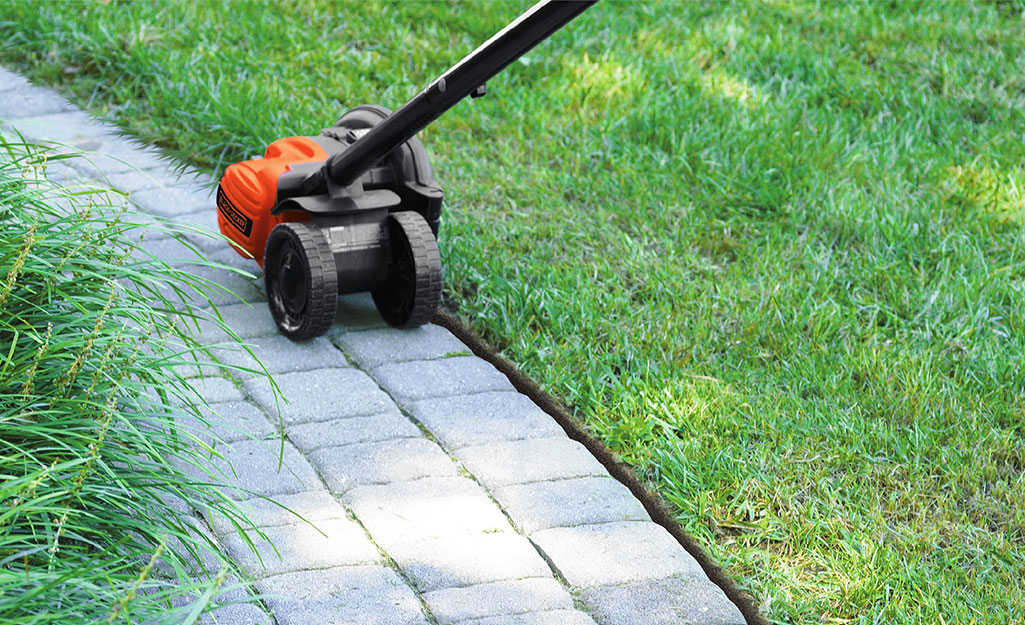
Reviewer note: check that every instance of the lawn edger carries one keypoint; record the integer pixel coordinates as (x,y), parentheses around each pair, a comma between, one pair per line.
(357,207)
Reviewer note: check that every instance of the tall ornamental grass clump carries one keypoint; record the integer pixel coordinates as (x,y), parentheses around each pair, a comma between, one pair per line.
(92,492)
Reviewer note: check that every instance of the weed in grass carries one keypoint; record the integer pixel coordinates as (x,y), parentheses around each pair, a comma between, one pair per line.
(771,253)
(92,409)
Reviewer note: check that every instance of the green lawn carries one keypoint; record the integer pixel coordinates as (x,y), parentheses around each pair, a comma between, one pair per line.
(773,254)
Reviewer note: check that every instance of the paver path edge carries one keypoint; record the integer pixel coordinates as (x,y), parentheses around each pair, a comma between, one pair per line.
(440,494)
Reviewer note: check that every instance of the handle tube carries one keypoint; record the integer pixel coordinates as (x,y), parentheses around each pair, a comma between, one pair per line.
(534,26)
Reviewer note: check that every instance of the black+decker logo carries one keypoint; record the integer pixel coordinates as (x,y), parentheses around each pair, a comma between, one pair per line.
(234,216)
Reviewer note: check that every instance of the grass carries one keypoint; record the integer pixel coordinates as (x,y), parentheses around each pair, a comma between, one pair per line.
(773,254)
(92,404)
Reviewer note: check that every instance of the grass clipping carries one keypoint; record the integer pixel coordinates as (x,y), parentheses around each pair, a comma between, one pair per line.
(91,412)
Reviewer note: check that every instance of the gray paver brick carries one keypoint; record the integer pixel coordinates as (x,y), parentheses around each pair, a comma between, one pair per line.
(230,590)
(554,617)
(218,285)
(201,229)
(468,560)
(237,614)
(248,321)
(356,311)
(313,506)
(10,81)
(300,546)
(483,418)
(137,180)
(73,128)
(281,355)
(216,389)
(166,249)
(424,488)
(204,231)
(322,395)
(117,155)
(236,421)
(174,201)
(671,601)
(563,503)
(380,463)
(614,553)
(312,436)
(451,605)
(397,513)
(356,595)
(28,101)
(422,379)
(255,465)
(203,562)
(375,347)
(534,460)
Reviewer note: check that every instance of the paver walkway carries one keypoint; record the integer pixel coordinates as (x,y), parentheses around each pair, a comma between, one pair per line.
(441,494)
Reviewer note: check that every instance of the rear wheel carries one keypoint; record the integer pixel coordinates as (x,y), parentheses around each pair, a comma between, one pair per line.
(411,295)
(302,282)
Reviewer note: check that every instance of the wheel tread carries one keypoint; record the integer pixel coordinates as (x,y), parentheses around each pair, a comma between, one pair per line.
(323,281)
(427,269)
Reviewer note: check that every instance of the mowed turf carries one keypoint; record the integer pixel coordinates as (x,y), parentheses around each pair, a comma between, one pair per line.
(773,254)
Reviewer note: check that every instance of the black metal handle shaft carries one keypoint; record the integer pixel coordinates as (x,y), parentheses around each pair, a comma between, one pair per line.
(534,26)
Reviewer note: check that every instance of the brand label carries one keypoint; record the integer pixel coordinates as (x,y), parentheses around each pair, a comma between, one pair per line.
(234,216)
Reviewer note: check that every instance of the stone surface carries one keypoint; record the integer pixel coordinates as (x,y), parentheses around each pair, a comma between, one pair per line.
(452,605)
(117,155)
(208,284)
(483,418)
(434,508)
(216,389)
(312,436)
(137,180)
(565,503)
(251,468)
(354,595)
(425,488)
(312,506)
(72,128)
(375,347)
(614,553)
(167,249)
(553,617)
(299,546)
(28,101)
(237,614)
(248,321)
(278,354)
(232,421)
(468,560)
(670,601)
(9,81)
(356,312)
(535,460)
(380,463)
(321,395)
(174,201)
(422,379)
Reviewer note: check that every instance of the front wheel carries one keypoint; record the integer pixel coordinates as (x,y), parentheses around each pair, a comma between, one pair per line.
(412,292)
(302,282)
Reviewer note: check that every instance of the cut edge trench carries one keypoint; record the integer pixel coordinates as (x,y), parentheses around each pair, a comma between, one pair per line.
(653,504)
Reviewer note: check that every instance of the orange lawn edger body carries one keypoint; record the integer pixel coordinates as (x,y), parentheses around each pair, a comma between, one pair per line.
(357,207)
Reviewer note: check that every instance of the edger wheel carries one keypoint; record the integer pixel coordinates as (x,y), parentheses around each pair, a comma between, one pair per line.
(411,295)
(302,283)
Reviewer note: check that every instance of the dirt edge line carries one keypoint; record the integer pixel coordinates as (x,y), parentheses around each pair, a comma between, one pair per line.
(652,503)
